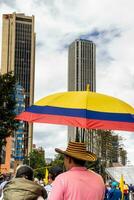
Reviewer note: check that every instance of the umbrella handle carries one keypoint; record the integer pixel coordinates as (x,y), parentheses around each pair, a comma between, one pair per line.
(88,87)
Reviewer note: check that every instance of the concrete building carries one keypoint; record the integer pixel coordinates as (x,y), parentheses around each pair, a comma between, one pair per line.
(18,55)
(81,71)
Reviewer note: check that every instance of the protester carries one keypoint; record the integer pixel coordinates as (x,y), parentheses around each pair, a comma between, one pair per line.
(126,191)
(107,189)
(1,178)
(53,172)
(2,181)
(78,183)
(6,179)
(23,186)
(114,193)
(131,192)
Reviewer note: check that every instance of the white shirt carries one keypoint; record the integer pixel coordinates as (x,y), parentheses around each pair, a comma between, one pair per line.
(48,188)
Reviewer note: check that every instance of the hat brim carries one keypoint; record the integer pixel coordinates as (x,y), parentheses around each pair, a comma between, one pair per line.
(87,156)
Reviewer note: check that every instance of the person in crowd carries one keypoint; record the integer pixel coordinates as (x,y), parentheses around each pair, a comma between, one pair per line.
(53,173)
(114,192)
(1,178)
(107,189)
(78,183)
(126,191)
(131,191)
(41,182)
(23,187)
(36,180)
(6,179)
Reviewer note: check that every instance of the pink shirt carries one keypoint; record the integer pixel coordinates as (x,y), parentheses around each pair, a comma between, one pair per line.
(78,184)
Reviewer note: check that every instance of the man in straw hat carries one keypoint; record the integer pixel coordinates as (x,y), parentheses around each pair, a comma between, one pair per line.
(77,183)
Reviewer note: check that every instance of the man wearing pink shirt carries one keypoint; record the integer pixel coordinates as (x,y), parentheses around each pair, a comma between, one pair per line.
(78,183)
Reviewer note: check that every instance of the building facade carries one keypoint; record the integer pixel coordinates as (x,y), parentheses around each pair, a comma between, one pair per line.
(8,156)
(18,56)
(20,132)
(81,72)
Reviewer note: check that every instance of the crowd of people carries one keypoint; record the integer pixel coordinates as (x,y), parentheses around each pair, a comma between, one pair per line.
(76,183)
(113,191)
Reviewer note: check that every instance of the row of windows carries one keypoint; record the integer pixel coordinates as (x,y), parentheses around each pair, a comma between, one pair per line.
(20,100)
(25,60)
(23,47)
(23,33)
(23,26)
(23,19)
(24,80)
(23,71)
(23,43)
(23,65)
(23,38)
(19,156)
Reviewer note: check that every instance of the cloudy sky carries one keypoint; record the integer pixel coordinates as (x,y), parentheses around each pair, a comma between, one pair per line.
(108,23)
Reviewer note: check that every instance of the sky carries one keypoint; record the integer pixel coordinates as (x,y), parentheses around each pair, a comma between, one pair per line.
(109,24)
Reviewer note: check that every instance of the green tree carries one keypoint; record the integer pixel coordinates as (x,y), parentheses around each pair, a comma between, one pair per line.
(58,161)
(36,160)
(8,124)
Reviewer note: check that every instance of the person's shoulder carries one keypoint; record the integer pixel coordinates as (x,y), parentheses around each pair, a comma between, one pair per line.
(48,187)
(94,174)
(96,177)
(119,191)
(61,178)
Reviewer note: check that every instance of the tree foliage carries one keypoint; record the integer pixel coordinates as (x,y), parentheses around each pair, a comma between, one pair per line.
(58,161)
(36,160)
(8,124)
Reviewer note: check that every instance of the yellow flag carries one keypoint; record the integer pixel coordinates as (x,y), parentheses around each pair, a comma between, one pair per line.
(122,186)
(46,176)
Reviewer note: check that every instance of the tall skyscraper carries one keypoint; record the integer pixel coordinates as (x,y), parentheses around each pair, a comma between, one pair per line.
(18,55)
(81,72)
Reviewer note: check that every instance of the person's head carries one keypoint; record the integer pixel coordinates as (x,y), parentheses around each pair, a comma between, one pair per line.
(70,162)
(76,155)
(53,172)
(114,184)
(36,180)
(24,171)
(2,178)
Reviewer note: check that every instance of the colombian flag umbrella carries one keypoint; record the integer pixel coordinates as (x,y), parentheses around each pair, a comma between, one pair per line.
(82,109)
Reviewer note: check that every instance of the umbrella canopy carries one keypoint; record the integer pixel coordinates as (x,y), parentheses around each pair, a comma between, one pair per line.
(83,109)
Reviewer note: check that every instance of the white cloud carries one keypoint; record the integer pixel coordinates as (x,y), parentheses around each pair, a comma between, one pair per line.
(57,24)
(50,137)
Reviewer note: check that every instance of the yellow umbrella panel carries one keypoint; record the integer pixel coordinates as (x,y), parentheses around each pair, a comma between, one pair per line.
(82,109)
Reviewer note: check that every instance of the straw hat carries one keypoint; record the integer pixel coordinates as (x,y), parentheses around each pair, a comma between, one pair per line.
(78,150)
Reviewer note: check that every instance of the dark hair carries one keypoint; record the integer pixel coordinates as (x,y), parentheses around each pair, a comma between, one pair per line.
(55,171)
(25,171)
(79,162)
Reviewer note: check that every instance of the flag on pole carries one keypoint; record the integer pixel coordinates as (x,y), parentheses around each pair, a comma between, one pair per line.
(121,185)
(46,176)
